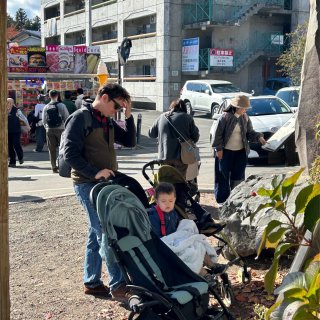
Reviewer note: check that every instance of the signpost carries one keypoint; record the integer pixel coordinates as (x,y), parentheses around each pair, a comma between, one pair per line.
(4,226)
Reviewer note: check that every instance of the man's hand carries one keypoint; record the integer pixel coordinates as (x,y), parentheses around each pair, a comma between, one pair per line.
(219,154)
(127,109)
(104,173)
(262,141)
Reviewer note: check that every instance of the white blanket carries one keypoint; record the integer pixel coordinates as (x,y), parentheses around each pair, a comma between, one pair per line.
(189,245)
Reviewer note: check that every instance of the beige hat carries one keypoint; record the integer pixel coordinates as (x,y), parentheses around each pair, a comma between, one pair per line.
(240,102)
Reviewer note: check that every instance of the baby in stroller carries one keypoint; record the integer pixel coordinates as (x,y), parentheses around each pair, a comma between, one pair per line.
(182,236)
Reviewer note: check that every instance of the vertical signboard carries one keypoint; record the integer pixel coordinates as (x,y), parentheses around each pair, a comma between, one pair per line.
(221,57)
(190,54)
(37,60)
(53,58)
(80,62)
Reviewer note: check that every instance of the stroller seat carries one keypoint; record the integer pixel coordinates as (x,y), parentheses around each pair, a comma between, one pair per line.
(135,248)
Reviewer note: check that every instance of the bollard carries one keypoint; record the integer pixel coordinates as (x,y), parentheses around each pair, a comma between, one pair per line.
(139,127)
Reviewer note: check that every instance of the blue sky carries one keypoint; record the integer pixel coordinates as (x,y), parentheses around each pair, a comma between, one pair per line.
(32,7)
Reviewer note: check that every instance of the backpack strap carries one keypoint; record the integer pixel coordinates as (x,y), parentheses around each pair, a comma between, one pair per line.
(162,222)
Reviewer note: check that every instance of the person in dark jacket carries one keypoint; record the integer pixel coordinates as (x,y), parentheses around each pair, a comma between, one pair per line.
(14,132)
(92,157)
(169,149)
(68,102)
(230,143)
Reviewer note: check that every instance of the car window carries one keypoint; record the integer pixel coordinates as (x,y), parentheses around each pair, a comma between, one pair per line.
(290,97)
(269,84)
(260,107)
(224,88)
(197,87)
(204,87)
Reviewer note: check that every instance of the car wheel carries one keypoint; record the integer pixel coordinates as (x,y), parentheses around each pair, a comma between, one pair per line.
(214,109)
(189,108)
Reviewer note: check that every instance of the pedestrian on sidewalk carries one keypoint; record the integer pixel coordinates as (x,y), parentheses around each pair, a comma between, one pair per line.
(230,143)
(15,116)
(80,96)
(169,149)
(54,116)
(68,102)
(92,158)
(40,130)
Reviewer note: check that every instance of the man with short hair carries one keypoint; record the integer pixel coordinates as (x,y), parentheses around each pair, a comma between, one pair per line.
(54,126)
(79,99)
(92,157)
(40,130)
(68,102)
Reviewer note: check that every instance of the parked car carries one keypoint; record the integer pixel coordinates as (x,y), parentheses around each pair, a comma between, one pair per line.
(207,95)
(275,84)
(267,114)
(290,95)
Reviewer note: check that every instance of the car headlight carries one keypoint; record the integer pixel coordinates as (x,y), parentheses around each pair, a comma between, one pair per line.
(274,129)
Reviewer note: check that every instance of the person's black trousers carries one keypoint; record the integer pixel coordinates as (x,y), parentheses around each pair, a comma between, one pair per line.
(14,147)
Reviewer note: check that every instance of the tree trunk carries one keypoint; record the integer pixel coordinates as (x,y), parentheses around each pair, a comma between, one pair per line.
(4,228)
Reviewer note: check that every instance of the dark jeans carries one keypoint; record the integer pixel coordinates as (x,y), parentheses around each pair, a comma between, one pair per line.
(40,137)
(14,147)
(229,172)
(53,142)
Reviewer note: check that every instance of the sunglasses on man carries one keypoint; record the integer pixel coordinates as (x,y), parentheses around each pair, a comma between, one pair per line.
(117,106)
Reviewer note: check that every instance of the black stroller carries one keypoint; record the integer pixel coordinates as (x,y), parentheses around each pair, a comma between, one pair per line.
(160,284)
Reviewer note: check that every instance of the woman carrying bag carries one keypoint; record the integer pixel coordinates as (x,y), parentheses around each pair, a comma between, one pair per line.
(231,147)
(173,128)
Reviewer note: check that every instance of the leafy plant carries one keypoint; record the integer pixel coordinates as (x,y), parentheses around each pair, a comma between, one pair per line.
(260,312)
(291,60)
(301,293)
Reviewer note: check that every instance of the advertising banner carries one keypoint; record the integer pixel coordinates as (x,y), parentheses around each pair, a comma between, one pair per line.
(190,54)
(66,59)
(80,62)
(37,60)
(93,55)
(221,57)
(53,58)
(18,59)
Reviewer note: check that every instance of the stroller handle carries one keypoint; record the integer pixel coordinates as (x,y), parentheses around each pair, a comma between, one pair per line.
(147,165)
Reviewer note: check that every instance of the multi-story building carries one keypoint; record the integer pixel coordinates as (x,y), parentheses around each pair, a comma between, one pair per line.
(251,31)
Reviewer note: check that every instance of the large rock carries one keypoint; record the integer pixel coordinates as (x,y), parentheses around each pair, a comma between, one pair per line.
(243,235)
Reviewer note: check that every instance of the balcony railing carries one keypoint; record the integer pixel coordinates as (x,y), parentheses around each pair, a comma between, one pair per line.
(259,44)
(217,11)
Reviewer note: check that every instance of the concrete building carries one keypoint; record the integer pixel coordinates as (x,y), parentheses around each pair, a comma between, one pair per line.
(251,31)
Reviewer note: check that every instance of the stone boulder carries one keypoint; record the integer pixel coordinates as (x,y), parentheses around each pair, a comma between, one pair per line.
(236,211)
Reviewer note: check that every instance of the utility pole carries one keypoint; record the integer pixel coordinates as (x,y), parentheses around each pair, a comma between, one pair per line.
(4,226)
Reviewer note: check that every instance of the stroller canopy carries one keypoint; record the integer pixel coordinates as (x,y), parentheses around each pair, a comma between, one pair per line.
(120,210)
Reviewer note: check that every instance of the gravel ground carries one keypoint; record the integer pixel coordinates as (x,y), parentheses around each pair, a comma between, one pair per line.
(47,241)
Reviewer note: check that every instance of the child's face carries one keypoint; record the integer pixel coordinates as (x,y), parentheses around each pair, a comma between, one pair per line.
(166,201)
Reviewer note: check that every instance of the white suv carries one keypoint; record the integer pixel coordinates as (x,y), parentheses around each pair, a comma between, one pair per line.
(207,95)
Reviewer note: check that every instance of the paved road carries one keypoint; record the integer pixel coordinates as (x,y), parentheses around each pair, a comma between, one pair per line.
(34,180)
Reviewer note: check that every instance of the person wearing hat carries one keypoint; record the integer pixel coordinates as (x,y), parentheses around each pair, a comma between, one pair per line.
(40,130)
(231,146)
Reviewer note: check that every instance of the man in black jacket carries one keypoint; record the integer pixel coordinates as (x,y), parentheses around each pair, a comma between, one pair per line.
(92,157)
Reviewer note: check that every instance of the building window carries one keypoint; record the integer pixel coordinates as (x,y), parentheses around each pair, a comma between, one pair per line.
(97,2)
(75,38)
(73,5)
(143,25)
(53,40)
(140,69)
(107,32)
(52,12)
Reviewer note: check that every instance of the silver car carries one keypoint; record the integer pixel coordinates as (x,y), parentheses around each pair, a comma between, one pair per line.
(267,114)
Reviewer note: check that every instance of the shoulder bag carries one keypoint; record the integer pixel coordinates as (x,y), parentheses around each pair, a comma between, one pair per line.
(188,153)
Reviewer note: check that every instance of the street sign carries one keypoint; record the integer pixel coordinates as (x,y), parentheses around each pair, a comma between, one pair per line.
(277,140)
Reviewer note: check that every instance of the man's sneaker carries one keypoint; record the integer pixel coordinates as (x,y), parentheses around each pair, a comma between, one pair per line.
(101,290)
(121,293)
(11,165)
(35,150)
(55,170)
(21,161)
